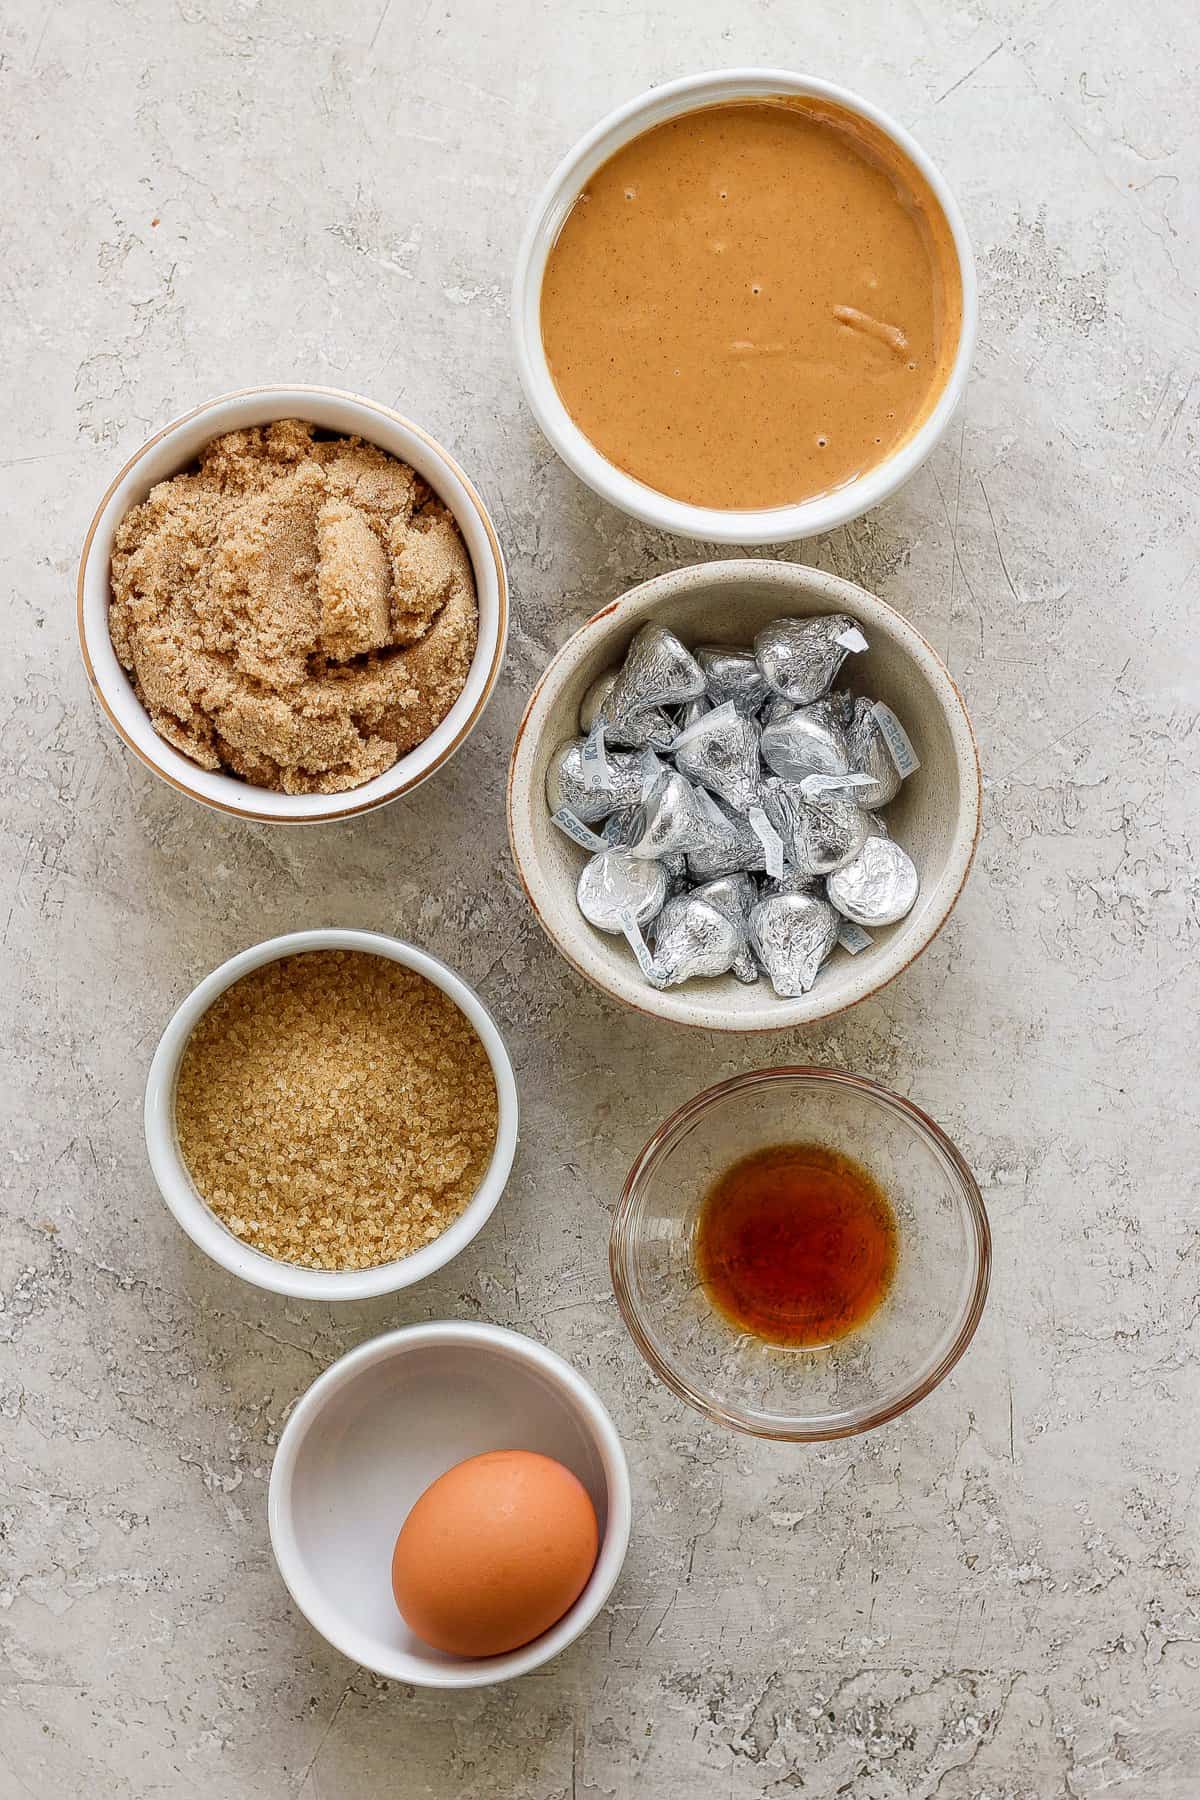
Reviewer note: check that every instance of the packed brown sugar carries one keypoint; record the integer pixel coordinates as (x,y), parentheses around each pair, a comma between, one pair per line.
(336,1110)
(297,609)
(752,304)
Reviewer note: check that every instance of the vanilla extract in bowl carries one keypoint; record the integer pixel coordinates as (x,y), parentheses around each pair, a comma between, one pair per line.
(796,1245)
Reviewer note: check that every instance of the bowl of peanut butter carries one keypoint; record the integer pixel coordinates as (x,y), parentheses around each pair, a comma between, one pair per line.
(744,307)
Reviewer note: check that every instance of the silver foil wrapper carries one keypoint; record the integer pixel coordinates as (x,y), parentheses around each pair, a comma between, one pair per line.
(869,755)
(793,935)
(777,770)
(671,820)
(734,845)
(720,751)
(620,828)
(657,671)
(653,729)
(800,658)
(567,784)
(809,741)
(878,887)
(796,882)
(735,895)
(677,873)
(776,708)
(593,702)
(694,938)
(614,882)
(733,675)
(745,966)
(819,836)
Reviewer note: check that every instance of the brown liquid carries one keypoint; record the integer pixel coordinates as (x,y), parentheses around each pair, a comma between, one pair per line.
(752,304)
(796,1244)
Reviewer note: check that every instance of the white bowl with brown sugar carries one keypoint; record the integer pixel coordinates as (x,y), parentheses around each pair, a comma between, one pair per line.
(292,604)
(744,307)
(331,1115)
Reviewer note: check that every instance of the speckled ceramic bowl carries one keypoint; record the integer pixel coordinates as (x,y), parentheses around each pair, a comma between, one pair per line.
(174,448)
(935,815)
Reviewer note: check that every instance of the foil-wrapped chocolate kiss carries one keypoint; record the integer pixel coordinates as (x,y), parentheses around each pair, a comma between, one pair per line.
(720,751)
(614,883)
(793,935)
(693,937)
(801,657)
(658,671)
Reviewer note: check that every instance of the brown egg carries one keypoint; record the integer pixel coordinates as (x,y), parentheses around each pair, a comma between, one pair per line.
(494,1552)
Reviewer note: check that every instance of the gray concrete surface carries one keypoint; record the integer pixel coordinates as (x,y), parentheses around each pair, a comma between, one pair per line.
(996,1598)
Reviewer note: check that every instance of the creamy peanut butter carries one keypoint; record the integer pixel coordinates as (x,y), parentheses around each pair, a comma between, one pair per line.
(752,304)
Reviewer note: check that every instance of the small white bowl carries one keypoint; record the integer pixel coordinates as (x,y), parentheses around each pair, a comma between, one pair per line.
(174,448)
(370,1435)
(774,525)
(935,815)
(202,1224)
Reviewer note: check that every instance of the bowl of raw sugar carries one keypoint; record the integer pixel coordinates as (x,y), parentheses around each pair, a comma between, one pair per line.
(934,816)
(331,1115)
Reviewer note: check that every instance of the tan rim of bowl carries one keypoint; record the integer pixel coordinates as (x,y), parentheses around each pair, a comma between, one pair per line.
(351,807)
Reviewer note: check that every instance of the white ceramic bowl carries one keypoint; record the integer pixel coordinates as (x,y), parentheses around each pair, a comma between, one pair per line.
(203,1226)
(774,525)
(174,448)
(370,1435)
(935,815)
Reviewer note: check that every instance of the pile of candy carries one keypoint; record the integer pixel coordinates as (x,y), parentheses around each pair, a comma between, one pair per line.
(737,799)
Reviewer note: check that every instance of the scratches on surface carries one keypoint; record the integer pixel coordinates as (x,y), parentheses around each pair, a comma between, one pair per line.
(999,546)
(981,64)
(324,1738)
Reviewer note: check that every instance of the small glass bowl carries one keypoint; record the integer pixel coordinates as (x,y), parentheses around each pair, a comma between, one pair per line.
(925,1321)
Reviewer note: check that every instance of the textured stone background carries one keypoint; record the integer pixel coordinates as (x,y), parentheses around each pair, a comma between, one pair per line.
(998,1596)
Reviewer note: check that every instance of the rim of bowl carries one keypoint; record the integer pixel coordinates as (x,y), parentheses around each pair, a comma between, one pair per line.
(265,804)
(846,596)
(203,1226)
(795,1430)
(771,525)
(476,1334)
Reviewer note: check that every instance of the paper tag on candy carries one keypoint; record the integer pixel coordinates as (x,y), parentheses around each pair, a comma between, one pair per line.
(853,938)
(897,740)
(651,769)
(637,943)
(813,786)
(770,840)
(576,830)
(852,639)
(594,757)
(718,717)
